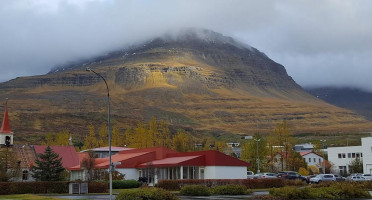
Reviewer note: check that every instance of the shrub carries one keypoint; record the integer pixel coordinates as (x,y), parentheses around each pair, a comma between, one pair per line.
(146,194)
(335,191)
(196,190)
(33,187)
(125,184)
(231,189)
(98,186)
(172,185)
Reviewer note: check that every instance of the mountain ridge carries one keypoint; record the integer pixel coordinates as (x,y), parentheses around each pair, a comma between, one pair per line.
(202,85)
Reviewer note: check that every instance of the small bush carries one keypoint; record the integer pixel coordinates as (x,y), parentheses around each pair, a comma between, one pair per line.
(172,185)
(33,187)
(98,186)
(230,190)
(196,190)
(125,184)
(146,194)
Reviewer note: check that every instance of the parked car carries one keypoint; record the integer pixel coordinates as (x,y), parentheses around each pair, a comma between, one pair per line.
(355,178)
(323,177)
(368,177)
(250,175)
(339,177)
(290,175)
(309,177)
(266,175)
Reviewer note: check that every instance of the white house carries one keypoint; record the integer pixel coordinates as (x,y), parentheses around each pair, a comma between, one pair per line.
(341,157)
(367,155)
(312,158)
(159,163)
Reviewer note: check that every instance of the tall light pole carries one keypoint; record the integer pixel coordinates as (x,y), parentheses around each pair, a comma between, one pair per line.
(258,156)
(323,141)
(108,127)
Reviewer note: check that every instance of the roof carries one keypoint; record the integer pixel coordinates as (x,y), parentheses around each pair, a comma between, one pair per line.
(177,161)
(107,149)
(162,157)
(5,127)
(214,158)
(67,153)
(309,152)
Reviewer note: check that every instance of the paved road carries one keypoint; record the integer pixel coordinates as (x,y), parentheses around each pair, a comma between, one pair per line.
(181,197)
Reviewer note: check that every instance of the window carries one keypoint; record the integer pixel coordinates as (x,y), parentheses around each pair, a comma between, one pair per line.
(25,175)
(349,155)
(343,155)
(357,155)
(309,159)
(320,160)
(353,155)
(339,155)
(342,169)
(361,155)
(314,159)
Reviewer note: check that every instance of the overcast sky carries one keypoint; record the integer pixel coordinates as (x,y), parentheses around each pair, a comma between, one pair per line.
(325,42)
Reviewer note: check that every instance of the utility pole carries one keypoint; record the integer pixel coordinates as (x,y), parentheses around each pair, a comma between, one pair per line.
(258,156)
(323,141)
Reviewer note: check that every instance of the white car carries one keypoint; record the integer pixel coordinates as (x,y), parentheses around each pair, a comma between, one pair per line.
(250,175)
(265,175)
(323,177)
(355,178)
(368,177)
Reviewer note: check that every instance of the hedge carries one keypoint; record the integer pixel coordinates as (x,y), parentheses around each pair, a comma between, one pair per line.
(146,194)
(334,191)
(248,183)
(196,190)
(45,187)
(125,184)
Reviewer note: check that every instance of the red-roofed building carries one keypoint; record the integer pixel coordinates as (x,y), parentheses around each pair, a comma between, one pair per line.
(68,154)
(160,163)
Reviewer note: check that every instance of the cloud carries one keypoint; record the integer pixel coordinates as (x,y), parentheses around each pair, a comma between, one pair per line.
(319,43)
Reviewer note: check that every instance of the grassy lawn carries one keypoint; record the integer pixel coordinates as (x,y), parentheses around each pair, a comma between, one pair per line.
(26,197)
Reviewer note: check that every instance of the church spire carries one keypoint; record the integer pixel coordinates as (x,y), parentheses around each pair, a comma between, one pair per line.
(5,127)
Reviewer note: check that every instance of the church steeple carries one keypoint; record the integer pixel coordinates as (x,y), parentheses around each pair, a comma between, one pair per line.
(6,134)
(5,127)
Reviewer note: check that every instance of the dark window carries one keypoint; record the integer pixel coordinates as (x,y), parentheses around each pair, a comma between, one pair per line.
(349,155)
(25,175)
(339,155)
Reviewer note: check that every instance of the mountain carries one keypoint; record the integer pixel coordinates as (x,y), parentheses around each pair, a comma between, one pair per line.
(195,79)
(354,99)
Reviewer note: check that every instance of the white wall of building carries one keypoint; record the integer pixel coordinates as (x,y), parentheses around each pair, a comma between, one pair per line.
(341,157)
(225,172)
(367,155)
(313,159)
(130,173)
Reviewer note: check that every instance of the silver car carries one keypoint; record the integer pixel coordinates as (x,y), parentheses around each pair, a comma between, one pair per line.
(323,177)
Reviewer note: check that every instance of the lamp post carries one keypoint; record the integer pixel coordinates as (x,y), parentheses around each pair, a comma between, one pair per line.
(258,158)
(108,128)
(323,141)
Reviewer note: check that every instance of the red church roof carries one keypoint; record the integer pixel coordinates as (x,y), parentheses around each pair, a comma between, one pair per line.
(68,154)
(5,127)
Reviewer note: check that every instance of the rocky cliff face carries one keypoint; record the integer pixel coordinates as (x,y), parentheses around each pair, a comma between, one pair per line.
(197,79)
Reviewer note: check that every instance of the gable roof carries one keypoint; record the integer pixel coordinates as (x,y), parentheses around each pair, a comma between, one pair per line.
(309,152)
(67,153)
(214,158)
(177,161)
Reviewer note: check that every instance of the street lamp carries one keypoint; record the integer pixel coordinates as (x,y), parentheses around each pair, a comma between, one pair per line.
(258,158)
(323,141)
(108,127)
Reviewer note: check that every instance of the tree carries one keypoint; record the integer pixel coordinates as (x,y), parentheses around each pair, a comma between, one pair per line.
(284,139)
(356,166)
(9,166)
(89,164)
(91,140)
(249,152)
(295,161)
(48,166)
(117,139)
(182,141)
